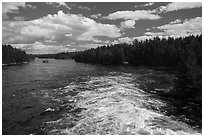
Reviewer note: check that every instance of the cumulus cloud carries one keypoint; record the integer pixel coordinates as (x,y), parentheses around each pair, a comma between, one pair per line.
(41,48)
(129,40)
(97,41)
(80,7)
(84,8)
(174,6)
(176,21)
(92,45)
(178,28)
(133,15)
(152,14)
(98,29)
(60,28)
(18,18)
(58,4)
(125,40)
(68,35)
(127,24)
(8,7)
(13,7)
(96,15)
(154,33)
(143,38)
(147,29)
(31,6)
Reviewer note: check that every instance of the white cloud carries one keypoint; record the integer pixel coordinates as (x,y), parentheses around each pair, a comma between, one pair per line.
(145,5)
(58,4)
(98,29)
(127,24)
(41,48)
(152,14)
(147,29)
(143,38)
(191,26)
(68,35)
(149,4)
(180,29)
(61,3)
(80,7)
(96,15)
(73,49)
(125,40)
(59,27)
(129,40)
(84,8)
(50,41)
(174,6)
(8,7)
(18,18)
(133,15)
(154,34)
(33,31)
(97,41)
(106,42)
(175,21)
(31,6)
(92,45)
(13,7)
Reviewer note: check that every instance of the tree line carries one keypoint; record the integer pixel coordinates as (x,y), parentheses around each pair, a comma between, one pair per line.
(157,52)
(61,55)
(181,54)
(184,55)
(12,55)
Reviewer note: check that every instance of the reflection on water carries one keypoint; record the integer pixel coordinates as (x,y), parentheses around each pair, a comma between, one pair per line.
(64,97)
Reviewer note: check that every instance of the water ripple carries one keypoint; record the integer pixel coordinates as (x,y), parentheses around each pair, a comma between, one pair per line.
(111,104)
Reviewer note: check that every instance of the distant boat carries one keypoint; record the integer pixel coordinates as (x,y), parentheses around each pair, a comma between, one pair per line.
(125,62)
(45,61)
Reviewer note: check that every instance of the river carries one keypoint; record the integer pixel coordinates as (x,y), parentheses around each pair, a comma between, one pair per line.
(65,97)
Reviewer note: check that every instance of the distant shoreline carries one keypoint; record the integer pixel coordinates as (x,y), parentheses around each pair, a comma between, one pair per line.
(10,64)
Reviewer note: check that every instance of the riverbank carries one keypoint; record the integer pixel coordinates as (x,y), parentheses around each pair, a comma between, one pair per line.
(64,97)
(11,64)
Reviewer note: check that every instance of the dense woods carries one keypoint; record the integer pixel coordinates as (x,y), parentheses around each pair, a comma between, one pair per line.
(61,55)
(181,54)
(45,55)
(157,52)
(12,55)
(184,55)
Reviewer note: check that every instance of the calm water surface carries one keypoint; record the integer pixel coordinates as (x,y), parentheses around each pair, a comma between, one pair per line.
(65,97)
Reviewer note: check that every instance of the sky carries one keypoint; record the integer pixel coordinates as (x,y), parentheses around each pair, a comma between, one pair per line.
(53,27)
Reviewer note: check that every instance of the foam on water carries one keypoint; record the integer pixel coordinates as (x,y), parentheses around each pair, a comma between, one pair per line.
(113,104)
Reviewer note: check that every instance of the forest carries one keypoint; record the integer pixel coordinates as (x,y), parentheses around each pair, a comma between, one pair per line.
(12,55)
(61,55)
(184,55)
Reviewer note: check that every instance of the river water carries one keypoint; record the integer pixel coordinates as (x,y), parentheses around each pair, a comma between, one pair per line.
(65,97)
